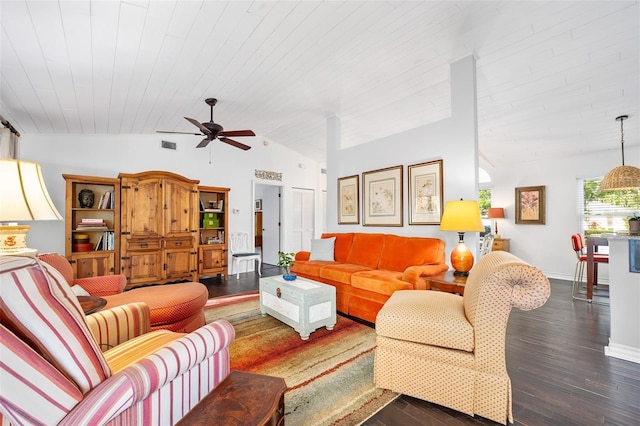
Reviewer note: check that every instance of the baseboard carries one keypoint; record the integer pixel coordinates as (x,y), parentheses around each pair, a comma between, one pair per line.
(627,353)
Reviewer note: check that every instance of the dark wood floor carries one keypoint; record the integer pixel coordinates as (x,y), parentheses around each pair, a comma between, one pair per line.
(555,358)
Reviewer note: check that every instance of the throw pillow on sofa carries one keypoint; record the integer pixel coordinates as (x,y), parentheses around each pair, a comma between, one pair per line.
(322,249)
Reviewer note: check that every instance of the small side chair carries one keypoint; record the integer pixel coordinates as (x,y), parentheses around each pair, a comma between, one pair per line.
(239,246)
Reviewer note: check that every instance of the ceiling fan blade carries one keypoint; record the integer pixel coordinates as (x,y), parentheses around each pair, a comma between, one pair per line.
(237,133)
(180,133)
(200,126)
(204,142)
(234,143)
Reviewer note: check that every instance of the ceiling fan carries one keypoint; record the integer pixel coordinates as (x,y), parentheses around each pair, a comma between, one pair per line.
(211,130)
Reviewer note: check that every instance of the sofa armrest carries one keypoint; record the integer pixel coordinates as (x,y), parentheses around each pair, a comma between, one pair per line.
(181,358)
(303,255)
(116,325)
(104,285)
(413,274)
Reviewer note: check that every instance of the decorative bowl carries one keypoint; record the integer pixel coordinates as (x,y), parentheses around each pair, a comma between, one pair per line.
(289,277)
(82,247)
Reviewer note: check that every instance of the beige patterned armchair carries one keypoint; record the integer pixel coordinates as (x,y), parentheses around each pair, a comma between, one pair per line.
(449,349)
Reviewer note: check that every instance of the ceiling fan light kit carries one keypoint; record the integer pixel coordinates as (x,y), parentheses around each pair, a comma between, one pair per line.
(212,130)
(621,177)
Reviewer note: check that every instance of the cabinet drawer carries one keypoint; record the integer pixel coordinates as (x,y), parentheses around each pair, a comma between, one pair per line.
(178,243)
(151,244)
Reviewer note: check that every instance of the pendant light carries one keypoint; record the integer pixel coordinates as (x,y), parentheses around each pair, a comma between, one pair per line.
(621,177)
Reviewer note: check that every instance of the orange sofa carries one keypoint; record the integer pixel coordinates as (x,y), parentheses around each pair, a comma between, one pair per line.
(367,268)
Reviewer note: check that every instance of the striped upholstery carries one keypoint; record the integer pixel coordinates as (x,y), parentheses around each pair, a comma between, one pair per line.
(450,350)
(110,327)
(33,383)
(157,378)
(39,307)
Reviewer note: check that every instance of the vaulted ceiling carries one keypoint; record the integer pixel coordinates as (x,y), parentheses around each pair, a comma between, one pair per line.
(552,76)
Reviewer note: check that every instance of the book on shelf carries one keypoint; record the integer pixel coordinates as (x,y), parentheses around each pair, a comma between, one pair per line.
(91,220)
(202,209)
(105,201)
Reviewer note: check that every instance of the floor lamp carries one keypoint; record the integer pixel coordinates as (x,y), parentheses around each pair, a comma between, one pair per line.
(23,197)
(461,216)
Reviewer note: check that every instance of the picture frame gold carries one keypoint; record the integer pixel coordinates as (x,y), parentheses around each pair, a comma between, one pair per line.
(426,202)
(382,197)
(530,205)
(349,200)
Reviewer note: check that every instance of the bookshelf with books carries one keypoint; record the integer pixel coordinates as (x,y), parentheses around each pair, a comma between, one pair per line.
(212,233)
(92,224)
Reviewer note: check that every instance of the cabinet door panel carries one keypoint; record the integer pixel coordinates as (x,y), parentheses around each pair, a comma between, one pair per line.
(178,263)
(142,217)
(143,267)
(179,208)
(211,260)
(92,265)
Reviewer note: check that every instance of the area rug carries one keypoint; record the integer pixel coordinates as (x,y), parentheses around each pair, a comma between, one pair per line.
(329,377)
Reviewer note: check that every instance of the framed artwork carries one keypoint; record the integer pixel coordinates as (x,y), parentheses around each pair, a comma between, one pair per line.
(425,193)
(530,205)
(349,200)
(382,197)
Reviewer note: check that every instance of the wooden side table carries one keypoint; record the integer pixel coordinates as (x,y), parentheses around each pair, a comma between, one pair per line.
(501,244)
(241,399)
(446,281)
(91,304)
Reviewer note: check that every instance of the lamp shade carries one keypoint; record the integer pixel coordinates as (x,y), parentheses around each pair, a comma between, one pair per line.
(23,194)
(621,177)
(461,216)
(495,213)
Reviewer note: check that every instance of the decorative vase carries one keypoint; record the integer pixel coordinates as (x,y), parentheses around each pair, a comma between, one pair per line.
(634,226)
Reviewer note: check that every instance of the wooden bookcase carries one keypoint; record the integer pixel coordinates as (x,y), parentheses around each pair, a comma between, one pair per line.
(212,232)
(102,258)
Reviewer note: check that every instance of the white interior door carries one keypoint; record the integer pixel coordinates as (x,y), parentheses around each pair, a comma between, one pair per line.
(303,219)
(270,196)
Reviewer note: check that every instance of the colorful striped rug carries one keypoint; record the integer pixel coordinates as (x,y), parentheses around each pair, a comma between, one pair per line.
(329,377)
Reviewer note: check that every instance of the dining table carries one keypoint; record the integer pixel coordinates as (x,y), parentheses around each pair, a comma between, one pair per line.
(593,242)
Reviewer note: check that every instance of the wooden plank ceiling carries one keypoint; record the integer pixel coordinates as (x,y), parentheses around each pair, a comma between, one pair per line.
(552,76)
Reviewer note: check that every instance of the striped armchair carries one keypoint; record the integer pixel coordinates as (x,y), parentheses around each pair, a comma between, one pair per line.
(58,366)
(450,350)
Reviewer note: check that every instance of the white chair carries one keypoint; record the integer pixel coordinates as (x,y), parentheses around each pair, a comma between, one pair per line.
(487,244)
(239,246)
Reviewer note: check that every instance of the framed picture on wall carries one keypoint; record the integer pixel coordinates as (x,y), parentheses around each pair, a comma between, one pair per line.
(349,200)
(425,193)
(382,197)
(530,205)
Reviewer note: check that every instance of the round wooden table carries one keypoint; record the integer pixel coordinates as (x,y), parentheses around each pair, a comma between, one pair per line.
(91,304)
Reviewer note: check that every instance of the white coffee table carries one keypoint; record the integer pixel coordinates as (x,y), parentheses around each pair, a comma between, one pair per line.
(303,304)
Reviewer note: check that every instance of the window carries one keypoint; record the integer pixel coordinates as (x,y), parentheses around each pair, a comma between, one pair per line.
(484,200)
(605,211)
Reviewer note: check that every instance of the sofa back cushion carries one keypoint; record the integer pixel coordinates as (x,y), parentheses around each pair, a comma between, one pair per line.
(342,246)
(398,253)
(39,307)
(365,249)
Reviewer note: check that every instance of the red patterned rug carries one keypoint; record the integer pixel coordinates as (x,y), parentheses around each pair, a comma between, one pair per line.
(329,377)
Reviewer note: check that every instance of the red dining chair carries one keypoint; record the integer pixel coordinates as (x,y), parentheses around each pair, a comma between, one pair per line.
(577,243)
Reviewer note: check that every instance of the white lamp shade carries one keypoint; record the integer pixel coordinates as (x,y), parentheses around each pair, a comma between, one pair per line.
(23,194)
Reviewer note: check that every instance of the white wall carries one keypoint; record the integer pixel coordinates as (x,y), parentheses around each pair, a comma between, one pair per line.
(548,246)
(108,155)
(454,140)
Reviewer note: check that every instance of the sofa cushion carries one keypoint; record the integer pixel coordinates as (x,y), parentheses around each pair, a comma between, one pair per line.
(428,317)
(322,249)
(379,281)
(33,292)
(366,249)
(398,253)
(340,272)
(342,246)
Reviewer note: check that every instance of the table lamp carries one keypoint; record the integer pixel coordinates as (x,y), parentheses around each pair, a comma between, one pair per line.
(461,216)
(495,213)
(23,196)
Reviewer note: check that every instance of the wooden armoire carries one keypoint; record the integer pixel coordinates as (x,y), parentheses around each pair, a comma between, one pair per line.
(159,228)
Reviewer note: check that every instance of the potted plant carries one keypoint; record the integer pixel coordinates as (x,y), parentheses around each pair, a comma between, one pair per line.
(634,225)
(285,260)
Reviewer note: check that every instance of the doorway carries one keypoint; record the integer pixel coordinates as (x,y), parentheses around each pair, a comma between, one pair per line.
(267,221)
